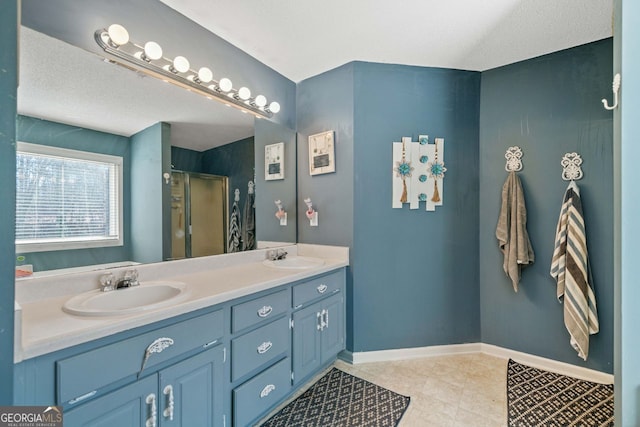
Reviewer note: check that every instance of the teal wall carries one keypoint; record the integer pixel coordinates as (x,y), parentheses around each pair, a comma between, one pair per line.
(150,194)
(401,261)
(627,206)
(548,106)
(8,84)
(54,134)
(419,266)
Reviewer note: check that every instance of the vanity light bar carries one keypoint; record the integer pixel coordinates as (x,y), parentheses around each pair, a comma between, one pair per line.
(149,59)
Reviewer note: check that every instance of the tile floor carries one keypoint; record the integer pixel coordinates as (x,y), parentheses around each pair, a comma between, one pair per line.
(467,390)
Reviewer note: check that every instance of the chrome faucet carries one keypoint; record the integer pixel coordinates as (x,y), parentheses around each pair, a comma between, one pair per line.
(108,281)
(130,279)
(276,254)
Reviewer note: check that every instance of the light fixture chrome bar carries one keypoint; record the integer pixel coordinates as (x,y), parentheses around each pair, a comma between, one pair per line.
(129,55)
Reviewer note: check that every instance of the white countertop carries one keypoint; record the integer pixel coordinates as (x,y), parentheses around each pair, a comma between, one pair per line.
(43,326)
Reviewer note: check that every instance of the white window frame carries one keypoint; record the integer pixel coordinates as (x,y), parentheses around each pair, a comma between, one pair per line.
(80,243)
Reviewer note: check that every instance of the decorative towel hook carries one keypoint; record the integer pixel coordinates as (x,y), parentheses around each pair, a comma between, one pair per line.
(616,89)
(571,169)
(513,156)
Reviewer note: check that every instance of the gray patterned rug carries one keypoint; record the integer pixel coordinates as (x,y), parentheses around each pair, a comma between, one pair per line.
(541,398)
(340,399)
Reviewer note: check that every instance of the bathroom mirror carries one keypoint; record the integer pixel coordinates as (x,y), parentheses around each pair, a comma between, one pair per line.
(67,93)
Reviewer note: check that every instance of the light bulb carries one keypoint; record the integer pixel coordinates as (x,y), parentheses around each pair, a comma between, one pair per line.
(152,51)
(244,93)
(225,84)
(205,75)
(118,35)
(274,107)
(261,100)
(180,64)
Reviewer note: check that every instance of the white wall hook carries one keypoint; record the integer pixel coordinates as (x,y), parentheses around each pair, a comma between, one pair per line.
(616,89)
(513,156)
(571,169)
(166,177)
(311,213)
(281,214)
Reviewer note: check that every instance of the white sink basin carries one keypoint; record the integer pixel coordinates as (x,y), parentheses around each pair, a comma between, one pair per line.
(295,263)
(146,296)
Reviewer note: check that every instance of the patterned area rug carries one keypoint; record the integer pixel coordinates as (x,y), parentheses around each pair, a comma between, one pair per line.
(541,398)
(340,399)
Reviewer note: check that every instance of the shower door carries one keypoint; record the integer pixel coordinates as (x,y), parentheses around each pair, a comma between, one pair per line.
(198,214)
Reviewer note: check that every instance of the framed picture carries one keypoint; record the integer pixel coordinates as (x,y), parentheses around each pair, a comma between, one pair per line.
(274,161)
(322,153)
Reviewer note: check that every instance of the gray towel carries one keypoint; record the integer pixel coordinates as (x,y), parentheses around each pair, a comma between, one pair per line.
(512,230)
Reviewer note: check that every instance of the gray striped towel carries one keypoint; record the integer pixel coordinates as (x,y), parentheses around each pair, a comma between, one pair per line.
(570,269)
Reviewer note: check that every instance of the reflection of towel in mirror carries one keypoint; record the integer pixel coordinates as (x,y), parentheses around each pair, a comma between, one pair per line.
(512,230)
(570,268)
(233,244)
(249,229)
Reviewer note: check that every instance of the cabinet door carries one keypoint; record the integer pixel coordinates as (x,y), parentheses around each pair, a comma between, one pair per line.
(191,391)
(332,334)
(306,342)
(130,406)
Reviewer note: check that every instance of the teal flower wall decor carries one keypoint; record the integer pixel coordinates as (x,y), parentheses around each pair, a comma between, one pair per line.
(403,168)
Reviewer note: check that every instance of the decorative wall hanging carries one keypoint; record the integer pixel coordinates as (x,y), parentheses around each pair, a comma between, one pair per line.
(571,169)
(322,153)
(274,161)
(513,156)
(418,172)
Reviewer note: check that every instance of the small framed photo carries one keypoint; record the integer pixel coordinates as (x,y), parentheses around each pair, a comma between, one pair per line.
(274,161)
(322,153)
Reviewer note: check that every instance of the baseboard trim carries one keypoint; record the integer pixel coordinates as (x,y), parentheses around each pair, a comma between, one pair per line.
(492,350)
(408,353)
(548,364)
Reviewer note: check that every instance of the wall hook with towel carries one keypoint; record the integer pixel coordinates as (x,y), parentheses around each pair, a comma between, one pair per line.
(513,156)
(311,213)
(571,169)
(281,214)
(616,90)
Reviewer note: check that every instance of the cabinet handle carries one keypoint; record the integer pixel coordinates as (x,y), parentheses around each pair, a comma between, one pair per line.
(168,412)
(264,347)
(266,390)
(319,321)
(265,311)
(155,347)
(322,288)
(326,317)
(153,410)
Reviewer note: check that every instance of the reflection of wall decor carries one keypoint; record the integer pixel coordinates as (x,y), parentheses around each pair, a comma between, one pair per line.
(274,161)
(418,172)
(321,153)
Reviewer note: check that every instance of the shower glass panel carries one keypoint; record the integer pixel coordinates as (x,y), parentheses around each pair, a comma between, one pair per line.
(198,214)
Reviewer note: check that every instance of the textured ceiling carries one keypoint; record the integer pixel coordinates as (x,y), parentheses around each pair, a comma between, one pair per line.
(299,39)
(302,38)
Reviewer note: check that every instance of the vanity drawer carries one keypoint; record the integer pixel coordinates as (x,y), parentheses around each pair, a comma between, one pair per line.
(260,309)
(259,347)
(316,288)
(87,372)
(260,393)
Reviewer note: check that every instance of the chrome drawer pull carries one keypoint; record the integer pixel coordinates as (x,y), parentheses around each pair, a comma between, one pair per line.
(265,311)
(83,397)
(322,288)
(264,347)
(168,412)
(153,411)
(266,390)
(155,347)
(319,322)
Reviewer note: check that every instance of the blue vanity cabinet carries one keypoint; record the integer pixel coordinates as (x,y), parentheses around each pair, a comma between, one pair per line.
(318,324)
(130,406)
(189,393)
